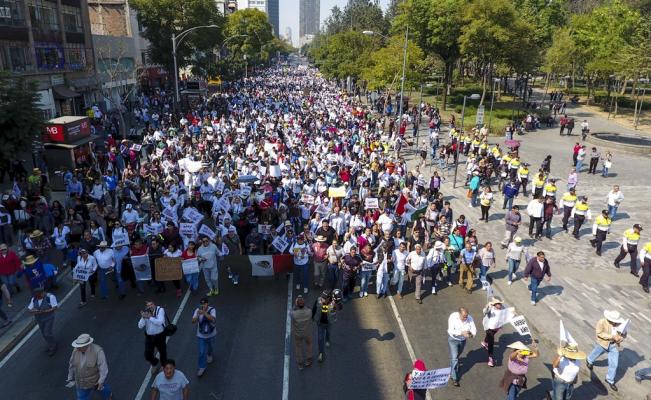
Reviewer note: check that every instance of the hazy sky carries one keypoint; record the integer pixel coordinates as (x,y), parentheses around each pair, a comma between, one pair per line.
(289,13)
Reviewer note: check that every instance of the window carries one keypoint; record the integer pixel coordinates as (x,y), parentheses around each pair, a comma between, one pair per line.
(44,15)
(143,57)
(71,19)
(75,58)
(49,56)
(11,13)
(16,58)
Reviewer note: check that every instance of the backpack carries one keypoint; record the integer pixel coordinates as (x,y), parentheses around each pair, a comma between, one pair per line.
(205,326)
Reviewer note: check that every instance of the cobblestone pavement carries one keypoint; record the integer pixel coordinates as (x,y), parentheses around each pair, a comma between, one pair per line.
(583,284)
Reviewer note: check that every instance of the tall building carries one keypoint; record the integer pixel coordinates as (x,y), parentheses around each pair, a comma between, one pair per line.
(288,34)
(309,18)
(274,15)
(262,5)
(49,42)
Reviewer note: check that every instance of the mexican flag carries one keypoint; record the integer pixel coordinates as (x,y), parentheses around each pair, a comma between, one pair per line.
(268,265)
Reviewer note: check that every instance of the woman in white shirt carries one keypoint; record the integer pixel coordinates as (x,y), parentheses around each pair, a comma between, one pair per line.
(60,236)
(485,200)
(398,257)
(487,256)
(96,231)
(85,271)
(493,320)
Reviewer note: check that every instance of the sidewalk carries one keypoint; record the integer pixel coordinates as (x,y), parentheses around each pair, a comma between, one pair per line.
(583,285)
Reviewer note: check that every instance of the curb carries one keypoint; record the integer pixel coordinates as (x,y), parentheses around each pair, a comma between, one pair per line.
(628,148)
(17,338)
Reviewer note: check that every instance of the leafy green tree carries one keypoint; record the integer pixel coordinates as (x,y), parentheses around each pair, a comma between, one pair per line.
(386,68)
(252,40)
(343,54)
(21,120)
(357,15)
(162,18)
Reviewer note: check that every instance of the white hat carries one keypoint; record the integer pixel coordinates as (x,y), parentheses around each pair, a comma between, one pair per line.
(613,316)
(82,341)
(103,243)
(518,346)
(231,229)
(439,245)
(517,239)
(129,206)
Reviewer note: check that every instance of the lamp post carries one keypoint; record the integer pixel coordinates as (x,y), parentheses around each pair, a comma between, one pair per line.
(176,41)
(473,96)
(490,118)
(404,69)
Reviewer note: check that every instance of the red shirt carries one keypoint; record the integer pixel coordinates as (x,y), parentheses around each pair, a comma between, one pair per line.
(9,264)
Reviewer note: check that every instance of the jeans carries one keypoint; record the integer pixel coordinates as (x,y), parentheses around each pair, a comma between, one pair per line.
(508,203)
(473,199)
(533,286)
(205,350)
(103,287)
(642,373)
(333,276)
(456,348)
(561,390)
(85,394)
(364,278)
(10,281)
(612,210)
(119,256)
(400,277)
(211,275)
(613,359)
(512,394)
(323,336)
(579,165)
(513,266)
(192,281)
(604,172)
(303,273)
(483,270)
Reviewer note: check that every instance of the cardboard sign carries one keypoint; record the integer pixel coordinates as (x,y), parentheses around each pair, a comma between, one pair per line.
(264,229)
(520,325)
(192,215)
(245,192)
(82,272)
(136,147)
(280,243)
(141,267)
(168,269)
(337,192)
(190,266)
(205,230)
(431,379)
(186,228)
(149,230)
(169,214)
(371,203)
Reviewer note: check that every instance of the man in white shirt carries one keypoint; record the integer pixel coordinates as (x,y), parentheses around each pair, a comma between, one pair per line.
(301,252)
(207,254)
(615,197)
(461,326)
(129,216)
(171,384)
(152,319)
(535,211)
(415,261)
(386,220)
(105,258)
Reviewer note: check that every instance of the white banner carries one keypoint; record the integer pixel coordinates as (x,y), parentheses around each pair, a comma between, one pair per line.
(141,267)
(371,203)
(262,265)
(280,243)
(82,273)
(432,379)
(186,228)
(520,325)
(190,266)
(120,241)
(149,230)
(192,215)
(169,214)
(205,230)
(264,229)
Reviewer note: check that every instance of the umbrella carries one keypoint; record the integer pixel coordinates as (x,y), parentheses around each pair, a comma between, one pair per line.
(512,143)
(247,178)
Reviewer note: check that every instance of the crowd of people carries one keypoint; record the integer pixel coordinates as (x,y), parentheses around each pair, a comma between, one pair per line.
(286,154)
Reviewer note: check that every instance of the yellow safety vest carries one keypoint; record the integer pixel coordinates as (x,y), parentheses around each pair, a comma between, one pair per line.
(569,200)
(515,163)
(539,182)
(581,208)
(603,222)
(483,146)
(476,143)
(524,172)
(507,158)
(647,248)
(549,188)
(631,237)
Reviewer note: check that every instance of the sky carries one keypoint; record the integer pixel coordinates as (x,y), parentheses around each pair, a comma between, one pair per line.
(289,10)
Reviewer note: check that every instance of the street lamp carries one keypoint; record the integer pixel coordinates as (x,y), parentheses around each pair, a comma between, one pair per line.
(176,41)
(404,68)
(490,118)
(473,96)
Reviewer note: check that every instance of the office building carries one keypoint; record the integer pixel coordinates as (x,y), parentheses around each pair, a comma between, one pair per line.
(309,18)
(49,42)
(274,15)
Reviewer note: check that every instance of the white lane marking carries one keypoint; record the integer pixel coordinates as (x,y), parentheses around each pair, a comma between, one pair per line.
(34,330)
(405,338)
(288,333)
(148,376)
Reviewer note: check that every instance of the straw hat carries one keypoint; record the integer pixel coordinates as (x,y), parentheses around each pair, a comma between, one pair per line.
(320,238)
(36,233)
(495,300)
(613,316)
(30,259)
(518,346)
(439,245)
(572,352)
(82,341)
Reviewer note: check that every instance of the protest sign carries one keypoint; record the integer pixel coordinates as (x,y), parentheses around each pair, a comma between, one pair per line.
(366,266)
(136,147)
(205,230)
(264,229)
(159,152)
(186,228)
(245,192)
(262,265)
(280,243)
(141,267)
(337,191)
(520,325)
(307,199)
(120,241)
(332,157)
(219,186)
(623,327)
(191,214)
(371,203)
(149,230)
(565,336)
(82,272)
(168,269)
(432,379)
(190,266)
(169,214)
(322,209)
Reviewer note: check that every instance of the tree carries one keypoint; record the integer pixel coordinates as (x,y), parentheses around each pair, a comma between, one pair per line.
(252,40)
(387,62)
(162,18)
(357,15)
(21,121)
(342,54)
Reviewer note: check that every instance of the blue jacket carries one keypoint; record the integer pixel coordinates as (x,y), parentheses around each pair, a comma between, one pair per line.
(510,190)
(474,182)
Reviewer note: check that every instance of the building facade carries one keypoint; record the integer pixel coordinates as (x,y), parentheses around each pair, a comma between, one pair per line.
(273,13)
(309,19)
(49,42)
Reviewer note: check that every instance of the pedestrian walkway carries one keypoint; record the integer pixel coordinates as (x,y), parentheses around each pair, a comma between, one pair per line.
(583,284)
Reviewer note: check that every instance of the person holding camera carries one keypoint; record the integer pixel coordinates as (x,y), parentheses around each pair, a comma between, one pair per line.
(152,319)
(323,312)
(205,317)
(515,378)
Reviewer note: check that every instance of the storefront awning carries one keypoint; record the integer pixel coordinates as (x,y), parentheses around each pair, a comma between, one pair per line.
(64,92)
(72,145)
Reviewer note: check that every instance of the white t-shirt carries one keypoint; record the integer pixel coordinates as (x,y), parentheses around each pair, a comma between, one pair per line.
(399,258)
(170,389)
(567,369)
(300,252)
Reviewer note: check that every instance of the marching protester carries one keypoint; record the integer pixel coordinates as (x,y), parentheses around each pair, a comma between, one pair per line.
(609,340)
(566,367)
(537,268)
(205,317)
(88,370)
(513,257)
(302,333)
(515,379)
(43,307)
(493,321)
(324,314)
(461,326)
(153,320)
(414,394)
(170,383)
